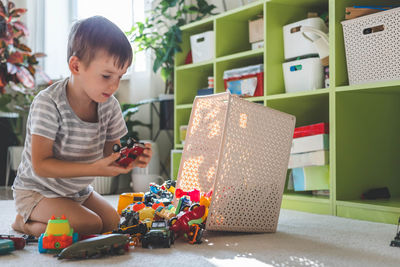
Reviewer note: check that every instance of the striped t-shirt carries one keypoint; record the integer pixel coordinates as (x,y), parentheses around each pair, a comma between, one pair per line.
(52,117)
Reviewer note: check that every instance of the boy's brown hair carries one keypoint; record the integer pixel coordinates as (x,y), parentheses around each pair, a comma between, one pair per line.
(89,36)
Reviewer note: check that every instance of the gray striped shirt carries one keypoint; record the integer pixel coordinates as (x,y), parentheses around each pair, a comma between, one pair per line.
(52,117)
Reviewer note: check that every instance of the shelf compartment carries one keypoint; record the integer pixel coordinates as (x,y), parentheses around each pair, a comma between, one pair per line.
(234,24)
(367,143)
(383,211)
(189,80)
(307,203)
(308,109)
(189,30)
(181,118)
(232,63)
(279,14)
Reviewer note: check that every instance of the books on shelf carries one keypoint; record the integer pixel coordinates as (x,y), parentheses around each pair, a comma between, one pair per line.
(311,178)
(314,158)
(310,143)
(313,129)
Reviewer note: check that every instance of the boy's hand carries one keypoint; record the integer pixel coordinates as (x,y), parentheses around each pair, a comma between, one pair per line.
(143,160)
(108,167)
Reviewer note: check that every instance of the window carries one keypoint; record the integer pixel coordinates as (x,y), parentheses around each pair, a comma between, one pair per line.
(55,18)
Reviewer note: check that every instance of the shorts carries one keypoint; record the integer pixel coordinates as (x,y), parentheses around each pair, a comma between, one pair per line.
(26,201)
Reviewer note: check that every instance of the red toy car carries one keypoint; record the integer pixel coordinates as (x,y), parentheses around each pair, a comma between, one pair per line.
(128,153)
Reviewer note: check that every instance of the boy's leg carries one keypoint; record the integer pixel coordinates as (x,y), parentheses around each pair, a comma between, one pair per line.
(102,208)
(81,219)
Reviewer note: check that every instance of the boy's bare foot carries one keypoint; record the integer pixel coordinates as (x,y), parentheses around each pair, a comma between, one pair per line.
(18,225)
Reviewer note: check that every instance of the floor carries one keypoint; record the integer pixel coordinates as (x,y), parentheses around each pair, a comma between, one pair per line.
(302,239)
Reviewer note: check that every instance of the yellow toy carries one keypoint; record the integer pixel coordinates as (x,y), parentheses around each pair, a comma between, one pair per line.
(128,198)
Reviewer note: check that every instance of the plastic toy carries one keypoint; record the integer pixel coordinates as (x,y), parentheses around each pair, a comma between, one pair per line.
(170,186)
(194,194)
(19,242)
(6,246)
(96,246)
(165,212)
(158,236)
(129,218)
(396,241)
(140,228)
(195,233)
(58,235)
(128,198)
(182,224)
(128,153)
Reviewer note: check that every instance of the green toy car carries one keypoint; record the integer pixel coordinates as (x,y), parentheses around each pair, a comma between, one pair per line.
(158,236)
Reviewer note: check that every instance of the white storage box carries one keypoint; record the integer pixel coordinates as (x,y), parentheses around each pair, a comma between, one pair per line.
(303,75)
(295,43)
(372,45)
(203,46)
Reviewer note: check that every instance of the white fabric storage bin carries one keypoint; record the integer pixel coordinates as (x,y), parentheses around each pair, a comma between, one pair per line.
(203,46)
(295,43)
(372,45)
(303,75)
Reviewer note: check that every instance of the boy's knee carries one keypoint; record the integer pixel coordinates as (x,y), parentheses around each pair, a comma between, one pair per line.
(88,225)
(111,222)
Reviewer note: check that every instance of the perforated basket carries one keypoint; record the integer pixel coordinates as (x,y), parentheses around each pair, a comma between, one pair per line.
(372,45)
(240,150)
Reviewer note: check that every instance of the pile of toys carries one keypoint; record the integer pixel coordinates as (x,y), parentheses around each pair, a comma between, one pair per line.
(149,219)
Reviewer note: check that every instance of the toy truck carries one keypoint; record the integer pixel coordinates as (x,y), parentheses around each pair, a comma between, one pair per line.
(58,236)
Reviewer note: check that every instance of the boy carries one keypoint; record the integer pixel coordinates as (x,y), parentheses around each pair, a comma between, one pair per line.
(71,129)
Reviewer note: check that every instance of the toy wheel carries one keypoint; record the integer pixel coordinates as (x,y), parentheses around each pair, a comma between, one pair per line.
(167,243)
(145,244)
(116,148)
(172,221)
(130,142)
(196,205)
(40,245)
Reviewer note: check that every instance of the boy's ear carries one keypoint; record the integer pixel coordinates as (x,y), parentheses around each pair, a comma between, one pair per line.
(74,65)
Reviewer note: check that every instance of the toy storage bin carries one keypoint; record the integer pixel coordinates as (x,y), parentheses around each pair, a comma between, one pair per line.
(372,45)
(303,75)
(203,46)
(247,81)
(240,150)
(295,43)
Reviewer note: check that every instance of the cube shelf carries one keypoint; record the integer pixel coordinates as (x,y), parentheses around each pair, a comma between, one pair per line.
(364,128)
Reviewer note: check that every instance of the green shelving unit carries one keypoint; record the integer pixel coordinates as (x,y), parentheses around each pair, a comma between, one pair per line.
(363,120)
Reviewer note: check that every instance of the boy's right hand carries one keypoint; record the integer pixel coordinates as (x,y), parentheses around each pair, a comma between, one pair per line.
(108,167)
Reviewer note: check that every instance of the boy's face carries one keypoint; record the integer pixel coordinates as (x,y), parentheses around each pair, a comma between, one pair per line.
(101,78)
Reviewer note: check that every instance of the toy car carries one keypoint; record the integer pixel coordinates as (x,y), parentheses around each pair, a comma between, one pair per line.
(140,228)
(19,242)
(58,235)
(6,246)
(158,236)
(182,224)
(96,246)
(126,199)
(129,152)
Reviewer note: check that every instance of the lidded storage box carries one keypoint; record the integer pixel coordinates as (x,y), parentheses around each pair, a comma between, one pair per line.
(372,45)
(240,151)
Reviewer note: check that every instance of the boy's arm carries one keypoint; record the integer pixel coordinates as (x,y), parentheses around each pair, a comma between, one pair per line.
(44,164)
(108,147)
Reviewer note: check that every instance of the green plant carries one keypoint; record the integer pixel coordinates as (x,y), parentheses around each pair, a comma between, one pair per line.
(161,33)
(129,111)
(18,66)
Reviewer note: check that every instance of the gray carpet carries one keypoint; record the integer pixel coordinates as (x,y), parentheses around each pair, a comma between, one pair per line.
(302,239)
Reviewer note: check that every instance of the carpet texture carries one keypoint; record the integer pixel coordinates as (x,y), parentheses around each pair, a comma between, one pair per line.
(302,239)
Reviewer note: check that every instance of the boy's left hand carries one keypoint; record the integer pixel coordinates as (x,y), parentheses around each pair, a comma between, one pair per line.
(143,160)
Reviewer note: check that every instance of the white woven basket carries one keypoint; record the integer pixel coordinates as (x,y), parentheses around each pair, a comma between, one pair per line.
(373,56)
(240,150)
